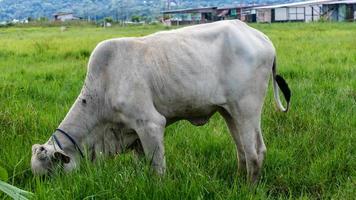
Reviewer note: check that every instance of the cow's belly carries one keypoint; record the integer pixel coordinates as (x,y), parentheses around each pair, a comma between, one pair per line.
(197,117)
(193,95)
(196,110)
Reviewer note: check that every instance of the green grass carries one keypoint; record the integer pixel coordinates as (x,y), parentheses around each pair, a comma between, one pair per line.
(311,150)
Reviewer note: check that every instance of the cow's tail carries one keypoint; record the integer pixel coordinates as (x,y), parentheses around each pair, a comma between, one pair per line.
(279,82)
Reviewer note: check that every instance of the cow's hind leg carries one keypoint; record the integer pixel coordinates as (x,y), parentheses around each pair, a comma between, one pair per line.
(245,117)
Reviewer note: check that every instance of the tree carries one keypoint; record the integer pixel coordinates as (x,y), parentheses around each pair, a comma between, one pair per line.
(135,18)
(43,19)
(108,19)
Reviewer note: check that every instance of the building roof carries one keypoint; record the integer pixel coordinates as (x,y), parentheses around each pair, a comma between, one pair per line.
(223,13)
(295,4)
(189,10)
(62,13)
(206,9)
(342,2)
(240,6)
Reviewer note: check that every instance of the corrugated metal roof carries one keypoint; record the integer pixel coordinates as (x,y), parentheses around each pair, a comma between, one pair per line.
(63,13)
(223,13)
(342,2)
(240,6)
(188,10)
(191,10)
(295,4)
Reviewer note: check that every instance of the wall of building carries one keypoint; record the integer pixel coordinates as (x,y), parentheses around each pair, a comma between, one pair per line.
(280,14)
(312,13)
(284,14)
(340,12)
(263,15)
(308,12)
(65,17)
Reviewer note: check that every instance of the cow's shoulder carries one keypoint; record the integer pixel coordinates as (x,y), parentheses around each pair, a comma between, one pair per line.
(101,56)
(110,52)
(113,46)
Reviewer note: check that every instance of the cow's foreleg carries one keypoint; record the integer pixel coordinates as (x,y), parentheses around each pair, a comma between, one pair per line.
(150,131)
(231,124)
(151,136)
(137,112)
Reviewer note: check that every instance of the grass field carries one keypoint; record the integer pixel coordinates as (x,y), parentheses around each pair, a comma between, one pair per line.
(311,151)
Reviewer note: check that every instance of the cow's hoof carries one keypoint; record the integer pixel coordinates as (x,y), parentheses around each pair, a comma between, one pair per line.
(160,171)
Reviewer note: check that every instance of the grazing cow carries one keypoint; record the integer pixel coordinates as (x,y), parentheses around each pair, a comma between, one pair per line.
(135,87)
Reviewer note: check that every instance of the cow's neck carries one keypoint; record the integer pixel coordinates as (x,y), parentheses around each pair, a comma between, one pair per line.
(78,123)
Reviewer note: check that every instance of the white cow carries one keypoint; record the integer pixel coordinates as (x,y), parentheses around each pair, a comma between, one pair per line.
(138,86)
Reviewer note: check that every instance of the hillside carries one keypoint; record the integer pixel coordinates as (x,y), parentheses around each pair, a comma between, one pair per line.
(118,9)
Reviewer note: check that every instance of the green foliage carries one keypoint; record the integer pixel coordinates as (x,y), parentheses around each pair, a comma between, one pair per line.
(14,192)
(98,9)
(10,190)
(108,19)
(311,150)
(135,18)
(3,174)
(42,19)
(165,17)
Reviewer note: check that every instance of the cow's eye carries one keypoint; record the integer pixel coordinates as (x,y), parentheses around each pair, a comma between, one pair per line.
(84,101)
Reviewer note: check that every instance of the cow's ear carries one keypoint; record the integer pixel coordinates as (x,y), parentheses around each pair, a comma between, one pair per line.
(62,157)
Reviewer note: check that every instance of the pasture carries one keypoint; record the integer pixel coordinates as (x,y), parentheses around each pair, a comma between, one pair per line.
(310,150)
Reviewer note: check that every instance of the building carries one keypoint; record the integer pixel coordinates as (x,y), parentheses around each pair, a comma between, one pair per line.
(340,10)
(210,14)
(63,16)
(192,15)
(305,11)
(244,13)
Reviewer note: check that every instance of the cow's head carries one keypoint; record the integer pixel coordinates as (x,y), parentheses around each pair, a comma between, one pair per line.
(92,110)
(80,120)
(107,139)
(46,157)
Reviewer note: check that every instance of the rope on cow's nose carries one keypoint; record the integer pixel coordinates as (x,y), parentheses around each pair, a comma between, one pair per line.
(70,139)
(57,141)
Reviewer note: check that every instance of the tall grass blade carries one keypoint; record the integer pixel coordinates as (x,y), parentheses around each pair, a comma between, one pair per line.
(14,192)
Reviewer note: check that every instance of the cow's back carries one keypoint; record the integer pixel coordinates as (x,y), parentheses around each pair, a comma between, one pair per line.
(195,67)
(186,71)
